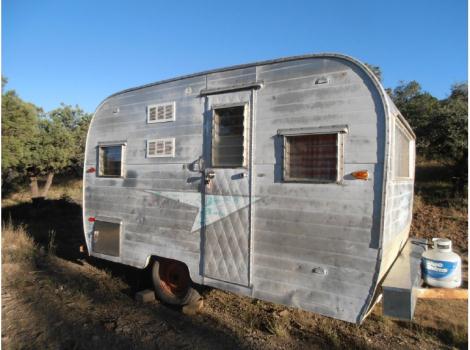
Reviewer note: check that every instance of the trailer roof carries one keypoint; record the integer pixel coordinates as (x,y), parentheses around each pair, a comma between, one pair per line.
(386,99)
(246,65)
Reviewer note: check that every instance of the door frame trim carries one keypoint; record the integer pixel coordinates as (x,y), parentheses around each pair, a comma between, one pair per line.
(208,109)
(251,152)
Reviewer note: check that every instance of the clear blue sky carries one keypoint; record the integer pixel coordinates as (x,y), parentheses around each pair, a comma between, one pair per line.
(79,52)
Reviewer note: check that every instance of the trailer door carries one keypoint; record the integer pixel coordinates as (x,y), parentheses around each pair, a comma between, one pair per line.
(226,231)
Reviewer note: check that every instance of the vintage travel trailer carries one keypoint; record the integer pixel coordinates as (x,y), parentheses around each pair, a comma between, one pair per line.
(288,180)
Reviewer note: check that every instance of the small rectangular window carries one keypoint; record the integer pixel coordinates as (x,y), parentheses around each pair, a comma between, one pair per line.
(313,154)
(402,168)
(161,147)
(111,160)
(228,137)
(312,158)
(163,112)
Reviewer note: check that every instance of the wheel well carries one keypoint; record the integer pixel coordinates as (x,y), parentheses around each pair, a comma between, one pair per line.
(152,258)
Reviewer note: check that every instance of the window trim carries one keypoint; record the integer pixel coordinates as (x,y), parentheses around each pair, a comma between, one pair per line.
(339,130)
(123,145)
(411,151)
(172,139)
(156,105)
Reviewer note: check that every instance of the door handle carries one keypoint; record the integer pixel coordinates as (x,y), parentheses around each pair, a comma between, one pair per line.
(209,176)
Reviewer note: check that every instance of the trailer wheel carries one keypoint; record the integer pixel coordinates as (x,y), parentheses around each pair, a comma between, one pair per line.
(172,282)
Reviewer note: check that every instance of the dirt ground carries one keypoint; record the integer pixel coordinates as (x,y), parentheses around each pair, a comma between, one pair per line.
(53,297)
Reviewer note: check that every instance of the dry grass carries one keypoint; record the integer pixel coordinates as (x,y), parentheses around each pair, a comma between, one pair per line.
(45,298)
(17,246)
(433,221)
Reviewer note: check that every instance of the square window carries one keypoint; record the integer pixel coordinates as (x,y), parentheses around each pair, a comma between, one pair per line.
(111,160)
(312,158)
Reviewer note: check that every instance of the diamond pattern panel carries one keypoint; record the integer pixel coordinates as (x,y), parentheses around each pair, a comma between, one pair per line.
(226,244)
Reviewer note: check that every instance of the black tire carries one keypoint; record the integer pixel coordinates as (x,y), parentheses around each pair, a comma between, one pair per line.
(172,282)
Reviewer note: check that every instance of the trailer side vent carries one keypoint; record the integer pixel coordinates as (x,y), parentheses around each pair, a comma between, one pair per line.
(164,112)
(161,148)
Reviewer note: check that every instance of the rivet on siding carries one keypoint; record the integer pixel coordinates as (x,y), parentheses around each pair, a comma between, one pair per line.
(116,110)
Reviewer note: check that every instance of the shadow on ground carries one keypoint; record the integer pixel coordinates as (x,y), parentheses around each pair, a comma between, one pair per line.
(67,307)
(59,222)
(81,302)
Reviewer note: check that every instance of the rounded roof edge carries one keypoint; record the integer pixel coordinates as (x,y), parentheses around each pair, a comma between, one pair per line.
(253,64)
(383,94)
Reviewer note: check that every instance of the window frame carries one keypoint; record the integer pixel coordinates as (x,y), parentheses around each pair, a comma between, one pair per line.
(172,139)
(245,135)
(411,154)
(164,104)
(101,145)
(338,130)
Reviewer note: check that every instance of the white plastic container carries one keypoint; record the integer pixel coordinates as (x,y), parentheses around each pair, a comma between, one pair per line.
(441,266)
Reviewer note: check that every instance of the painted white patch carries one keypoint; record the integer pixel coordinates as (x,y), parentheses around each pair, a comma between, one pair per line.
(216,208)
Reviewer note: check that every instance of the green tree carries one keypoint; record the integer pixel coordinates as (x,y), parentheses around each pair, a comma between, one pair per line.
(420,109)
(440,125)
(449,134)
(4,82)
(20,128)
(35,144)
(52,152)
(376,70)
(80,134)
(76,121)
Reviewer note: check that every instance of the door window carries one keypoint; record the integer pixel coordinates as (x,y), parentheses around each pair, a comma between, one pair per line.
(228,137)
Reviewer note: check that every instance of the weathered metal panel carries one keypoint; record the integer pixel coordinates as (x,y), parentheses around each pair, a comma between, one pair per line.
(314,246)
(289,222)
(231,78)
(107,237)
(398,202)
(399,286)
